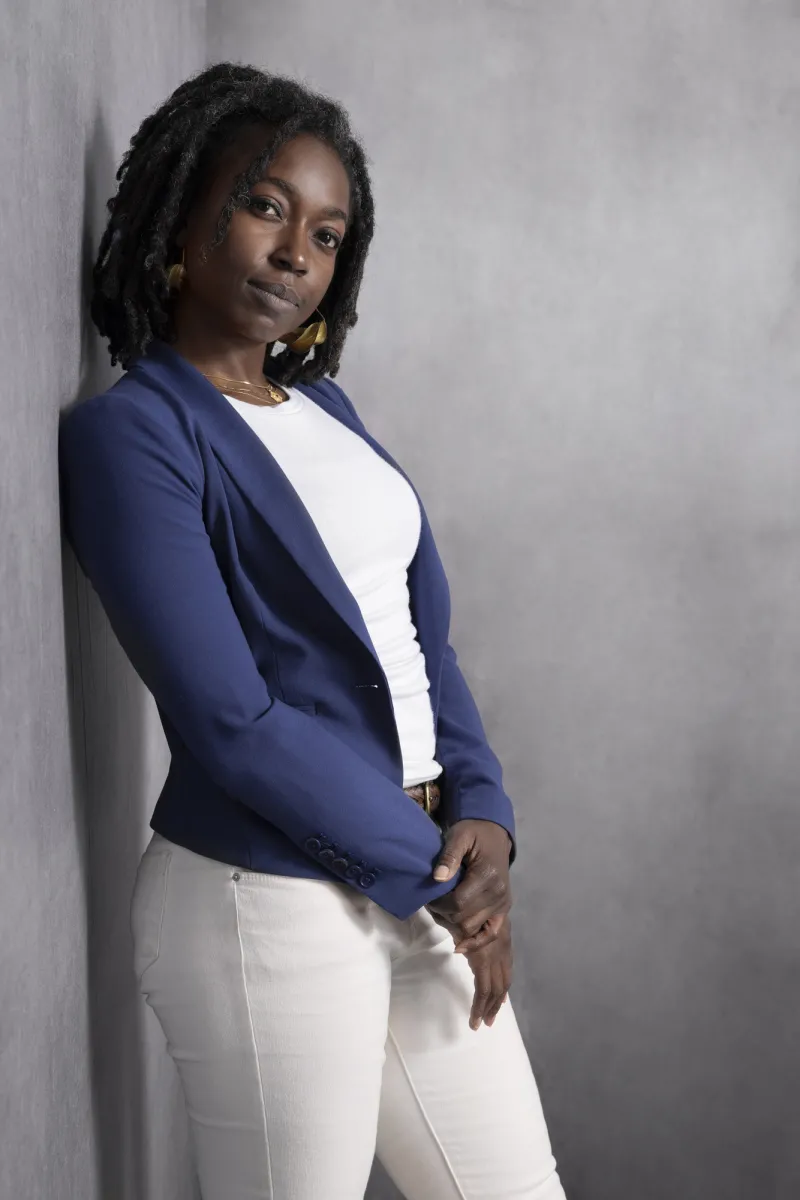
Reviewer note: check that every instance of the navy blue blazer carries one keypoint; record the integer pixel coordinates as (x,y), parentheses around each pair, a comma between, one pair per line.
(284,749)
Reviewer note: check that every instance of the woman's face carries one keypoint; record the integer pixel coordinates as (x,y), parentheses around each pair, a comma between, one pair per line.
(289,235)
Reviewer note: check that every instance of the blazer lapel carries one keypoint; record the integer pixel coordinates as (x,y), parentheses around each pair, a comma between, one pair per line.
(261,478)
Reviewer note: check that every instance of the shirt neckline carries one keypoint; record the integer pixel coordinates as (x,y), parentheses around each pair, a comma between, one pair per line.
(293,405)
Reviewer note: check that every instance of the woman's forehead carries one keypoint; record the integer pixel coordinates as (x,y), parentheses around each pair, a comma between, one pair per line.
(310,162)
(303,147)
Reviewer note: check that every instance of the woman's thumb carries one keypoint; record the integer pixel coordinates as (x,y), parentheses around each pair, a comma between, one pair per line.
(450,858)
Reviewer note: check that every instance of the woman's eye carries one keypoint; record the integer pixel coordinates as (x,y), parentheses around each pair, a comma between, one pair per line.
(334,240)
(259,200)
(329,238)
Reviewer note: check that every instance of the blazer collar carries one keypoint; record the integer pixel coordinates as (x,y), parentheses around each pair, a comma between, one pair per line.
(259,475)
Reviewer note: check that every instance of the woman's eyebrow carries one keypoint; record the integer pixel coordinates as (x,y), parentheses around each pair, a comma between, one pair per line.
(291,190)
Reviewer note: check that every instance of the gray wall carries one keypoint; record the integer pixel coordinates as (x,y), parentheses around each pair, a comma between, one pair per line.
(578,335)
(89,1108)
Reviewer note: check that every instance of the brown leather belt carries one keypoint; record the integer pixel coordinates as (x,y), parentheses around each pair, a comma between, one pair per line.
(428,795)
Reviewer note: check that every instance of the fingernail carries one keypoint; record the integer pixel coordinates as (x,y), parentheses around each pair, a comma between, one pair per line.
(441,873)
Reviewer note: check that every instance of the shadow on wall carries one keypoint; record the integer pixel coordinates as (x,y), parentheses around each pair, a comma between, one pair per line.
(113,797)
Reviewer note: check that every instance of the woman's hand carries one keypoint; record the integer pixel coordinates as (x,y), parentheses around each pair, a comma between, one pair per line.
(491,967)
(470,909)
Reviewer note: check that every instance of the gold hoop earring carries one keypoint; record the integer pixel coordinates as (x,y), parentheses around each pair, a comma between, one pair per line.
(177,273)
(300,340)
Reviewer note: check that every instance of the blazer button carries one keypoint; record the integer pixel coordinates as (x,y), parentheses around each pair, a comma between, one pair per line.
(313,845)
(366,881)
(326,856)
(339,864)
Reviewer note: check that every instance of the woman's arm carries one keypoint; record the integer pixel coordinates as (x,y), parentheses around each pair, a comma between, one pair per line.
(473,776)
(132,500)
(473,773)
(478,812)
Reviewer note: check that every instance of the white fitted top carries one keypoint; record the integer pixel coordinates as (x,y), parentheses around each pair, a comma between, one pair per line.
(369,519)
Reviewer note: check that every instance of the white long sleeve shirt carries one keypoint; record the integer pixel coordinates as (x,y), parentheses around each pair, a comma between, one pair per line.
(369,519)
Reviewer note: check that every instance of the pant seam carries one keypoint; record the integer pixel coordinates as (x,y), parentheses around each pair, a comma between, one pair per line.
(425,1116)
(255,1046)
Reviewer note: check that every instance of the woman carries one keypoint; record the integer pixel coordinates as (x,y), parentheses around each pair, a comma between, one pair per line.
(333,820)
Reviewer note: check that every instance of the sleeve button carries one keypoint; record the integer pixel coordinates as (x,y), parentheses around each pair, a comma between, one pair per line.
(339,864)
(366,880)
(313,845)
(352,872)
(326,856)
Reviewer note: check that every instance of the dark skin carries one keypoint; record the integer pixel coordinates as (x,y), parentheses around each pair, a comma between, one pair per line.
(290,234)
(286,238)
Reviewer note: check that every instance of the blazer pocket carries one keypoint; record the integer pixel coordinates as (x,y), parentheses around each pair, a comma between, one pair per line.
(148,903)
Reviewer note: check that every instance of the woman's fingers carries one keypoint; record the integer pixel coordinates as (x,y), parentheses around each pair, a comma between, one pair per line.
(508,965)
(486,934)
(483,894)
(499,991)
(445,924)
(489,994)
(491,968)
(471,921)
(483,991)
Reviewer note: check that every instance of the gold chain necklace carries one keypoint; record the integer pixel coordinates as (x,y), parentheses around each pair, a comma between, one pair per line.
(274,393)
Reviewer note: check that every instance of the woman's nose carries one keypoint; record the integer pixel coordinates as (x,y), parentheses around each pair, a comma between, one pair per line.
(289,253)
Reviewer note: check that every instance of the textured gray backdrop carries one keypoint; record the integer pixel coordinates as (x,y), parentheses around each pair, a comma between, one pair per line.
(579,334)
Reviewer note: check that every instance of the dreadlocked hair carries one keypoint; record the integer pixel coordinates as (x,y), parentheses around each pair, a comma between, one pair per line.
(164,170)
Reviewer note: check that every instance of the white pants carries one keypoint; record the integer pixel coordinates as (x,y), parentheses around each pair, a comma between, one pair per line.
(311,1029)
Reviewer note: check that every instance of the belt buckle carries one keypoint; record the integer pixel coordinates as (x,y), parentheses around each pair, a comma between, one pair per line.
(426,801)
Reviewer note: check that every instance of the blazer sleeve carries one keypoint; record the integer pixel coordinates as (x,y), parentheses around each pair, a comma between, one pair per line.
(473,773)
(132,503)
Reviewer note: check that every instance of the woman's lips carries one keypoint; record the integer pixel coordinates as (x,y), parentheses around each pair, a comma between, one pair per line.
(271,301)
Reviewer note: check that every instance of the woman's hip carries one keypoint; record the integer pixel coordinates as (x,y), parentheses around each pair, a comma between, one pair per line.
(198,916)
(273,996)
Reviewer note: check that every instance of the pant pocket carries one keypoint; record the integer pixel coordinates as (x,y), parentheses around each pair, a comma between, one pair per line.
(148,902)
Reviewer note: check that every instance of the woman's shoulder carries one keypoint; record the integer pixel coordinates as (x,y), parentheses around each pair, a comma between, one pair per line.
(130,422)
(132,400)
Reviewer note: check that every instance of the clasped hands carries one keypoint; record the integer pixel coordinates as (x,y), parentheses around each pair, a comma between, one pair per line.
(476,911)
